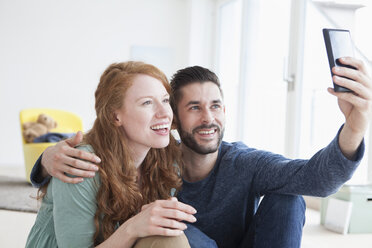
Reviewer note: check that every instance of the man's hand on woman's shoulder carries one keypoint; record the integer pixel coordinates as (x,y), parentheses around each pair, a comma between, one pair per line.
(64,158)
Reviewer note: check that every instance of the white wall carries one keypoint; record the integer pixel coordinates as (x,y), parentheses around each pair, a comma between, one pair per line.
(53,52)
(202,33)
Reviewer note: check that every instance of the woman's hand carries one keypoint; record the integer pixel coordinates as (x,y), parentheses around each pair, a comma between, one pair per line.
(161,217)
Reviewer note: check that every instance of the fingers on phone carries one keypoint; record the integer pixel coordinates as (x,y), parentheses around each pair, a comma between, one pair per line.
(353,62)
(345,75)
(360,88)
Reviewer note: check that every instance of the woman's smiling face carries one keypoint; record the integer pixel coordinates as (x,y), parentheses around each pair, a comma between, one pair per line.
(146,115)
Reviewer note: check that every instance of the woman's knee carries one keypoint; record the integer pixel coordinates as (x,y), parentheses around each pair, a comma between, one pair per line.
(163,241)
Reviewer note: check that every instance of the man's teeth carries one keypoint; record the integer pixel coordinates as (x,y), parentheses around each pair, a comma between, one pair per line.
(207,132)
(157,127)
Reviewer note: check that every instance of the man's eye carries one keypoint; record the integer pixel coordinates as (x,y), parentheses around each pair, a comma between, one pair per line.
(194,108)
(216,106)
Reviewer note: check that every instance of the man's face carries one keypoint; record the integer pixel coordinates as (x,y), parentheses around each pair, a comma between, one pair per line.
(201,117)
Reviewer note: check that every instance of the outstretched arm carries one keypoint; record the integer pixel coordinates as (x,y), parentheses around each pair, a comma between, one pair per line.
(64,158)
(356,107)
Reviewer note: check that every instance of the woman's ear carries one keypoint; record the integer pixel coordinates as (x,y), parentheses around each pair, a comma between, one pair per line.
(117,120)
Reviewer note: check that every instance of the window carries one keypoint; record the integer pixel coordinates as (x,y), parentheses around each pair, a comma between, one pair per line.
(299,117)
(321,117)
(228,64)
(252,45)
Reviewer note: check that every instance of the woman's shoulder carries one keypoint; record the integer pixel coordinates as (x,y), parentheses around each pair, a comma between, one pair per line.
(90,183)
(85,147)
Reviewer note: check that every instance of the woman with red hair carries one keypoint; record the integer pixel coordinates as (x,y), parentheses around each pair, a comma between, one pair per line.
(129,201)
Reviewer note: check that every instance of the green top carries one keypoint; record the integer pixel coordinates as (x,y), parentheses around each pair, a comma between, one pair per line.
(66,215)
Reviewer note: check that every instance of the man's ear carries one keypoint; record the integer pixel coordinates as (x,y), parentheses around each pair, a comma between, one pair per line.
(175,122)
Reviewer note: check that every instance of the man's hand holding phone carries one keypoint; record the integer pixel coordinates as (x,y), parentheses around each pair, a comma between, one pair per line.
(356,105)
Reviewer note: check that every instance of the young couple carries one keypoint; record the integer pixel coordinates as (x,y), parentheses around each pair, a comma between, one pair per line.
(127,199)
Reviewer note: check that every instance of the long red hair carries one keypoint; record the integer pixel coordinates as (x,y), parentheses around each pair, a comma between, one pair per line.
(119,196)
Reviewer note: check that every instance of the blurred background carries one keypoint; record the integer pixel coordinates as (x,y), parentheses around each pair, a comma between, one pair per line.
(270,57)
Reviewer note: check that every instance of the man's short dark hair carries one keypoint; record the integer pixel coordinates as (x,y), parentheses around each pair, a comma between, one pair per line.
(189,75)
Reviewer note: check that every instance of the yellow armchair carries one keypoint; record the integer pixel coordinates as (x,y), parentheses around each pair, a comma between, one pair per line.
(67,123)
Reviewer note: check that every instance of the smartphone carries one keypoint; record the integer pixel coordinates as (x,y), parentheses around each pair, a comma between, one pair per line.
(338,44)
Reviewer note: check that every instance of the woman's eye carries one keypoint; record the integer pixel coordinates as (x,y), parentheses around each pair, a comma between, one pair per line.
(166,100)
(147,103)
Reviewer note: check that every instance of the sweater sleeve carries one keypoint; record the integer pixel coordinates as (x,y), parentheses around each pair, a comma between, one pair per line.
(36,178)
(323,174)
(74,210)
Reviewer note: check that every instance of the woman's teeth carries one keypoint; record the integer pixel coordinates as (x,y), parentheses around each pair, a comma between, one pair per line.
(157,127)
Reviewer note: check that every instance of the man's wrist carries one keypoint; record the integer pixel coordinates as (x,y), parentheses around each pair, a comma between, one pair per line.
(36,177)
(349,142)
(44,173)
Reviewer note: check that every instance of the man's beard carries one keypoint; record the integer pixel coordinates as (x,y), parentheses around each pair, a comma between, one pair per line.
(189,140)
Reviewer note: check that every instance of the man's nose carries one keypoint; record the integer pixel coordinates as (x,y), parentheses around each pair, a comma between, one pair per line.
(207,116)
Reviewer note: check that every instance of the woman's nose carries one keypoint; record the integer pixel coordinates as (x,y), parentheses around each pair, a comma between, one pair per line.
(163,111)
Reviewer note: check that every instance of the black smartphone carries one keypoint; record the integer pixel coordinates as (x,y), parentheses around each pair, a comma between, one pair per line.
(338,44)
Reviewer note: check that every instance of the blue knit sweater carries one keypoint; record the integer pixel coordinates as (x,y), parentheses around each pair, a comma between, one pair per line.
(227,199)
